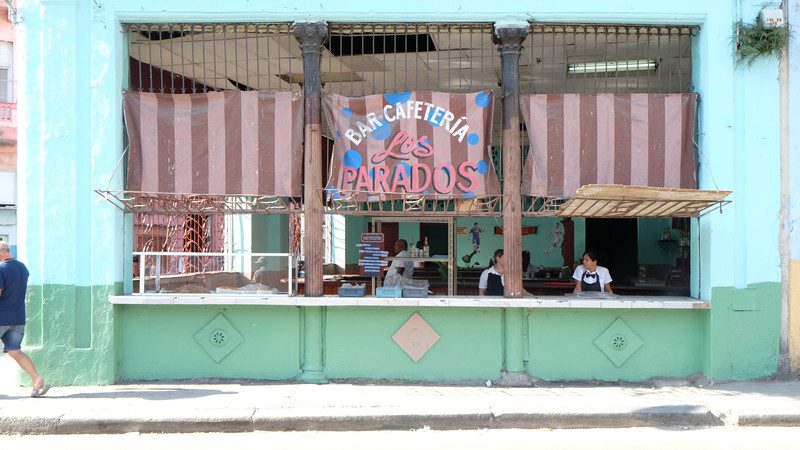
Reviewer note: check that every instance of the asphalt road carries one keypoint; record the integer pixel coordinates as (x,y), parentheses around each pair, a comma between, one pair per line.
(614,439)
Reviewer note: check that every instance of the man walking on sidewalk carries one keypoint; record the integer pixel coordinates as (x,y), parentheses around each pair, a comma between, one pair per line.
(13,285)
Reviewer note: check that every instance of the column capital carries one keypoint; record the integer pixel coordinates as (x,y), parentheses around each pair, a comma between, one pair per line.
(311,35)
(510,37)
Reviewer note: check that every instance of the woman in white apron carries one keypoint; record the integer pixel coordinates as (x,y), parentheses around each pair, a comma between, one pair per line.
(589,277)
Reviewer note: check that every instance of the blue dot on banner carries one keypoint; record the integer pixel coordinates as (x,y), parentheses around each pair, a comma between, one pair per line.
(338,134)
(406,168)
(347,112)
(435,123)
(469,195)
(446,170)
(426,191)
(372,173)
(482,167)
(473,139)
(382,132)
(397,97)
(482,99)
(352,159)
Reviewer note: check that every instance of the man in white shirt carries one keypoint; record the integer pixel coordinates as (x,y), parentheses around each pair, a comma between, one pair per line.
(399,269)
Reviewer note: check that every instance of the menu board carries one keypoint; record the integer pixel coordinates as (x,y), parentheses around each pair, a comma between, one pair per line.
(371,254)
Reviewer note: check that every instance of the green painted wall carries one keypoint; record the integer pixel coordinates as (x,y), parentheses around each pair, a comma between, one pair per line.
(650,232)
(358,344)
(535,243)
(354,227)
(409,231)
(73,342)
(561,344)
(580,237)
(742,333)
(270,234)
(158,343)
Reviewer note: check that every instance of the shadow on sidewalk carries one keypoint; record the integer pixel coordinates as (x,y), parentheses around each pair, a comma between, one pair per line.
(150,394)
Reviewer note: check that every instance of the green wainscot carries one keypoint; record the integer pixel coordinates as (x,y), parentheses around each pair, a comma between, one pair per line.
(360,342)
(178,342)
(614,344)
(69,333)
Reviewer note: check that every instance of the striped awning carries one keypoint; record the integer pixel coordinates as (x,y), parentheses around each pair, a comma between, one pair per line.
(217,143)
(428,144)
(626,139)
(596,200)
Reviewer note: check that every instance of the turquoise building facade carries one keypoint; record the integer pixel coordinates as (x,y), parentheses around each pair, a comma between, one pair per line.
(74,67)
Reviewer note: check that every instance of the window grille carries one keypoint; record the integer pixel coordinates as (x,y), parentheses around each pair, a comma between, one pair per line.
(554,52)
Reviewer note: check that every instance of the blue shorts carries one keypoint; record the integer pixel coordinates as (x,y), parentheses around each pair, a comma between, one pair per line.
(11,336)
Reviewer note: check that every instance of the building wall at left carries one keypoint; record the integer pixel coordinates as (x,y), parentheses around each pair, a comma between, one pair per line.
(71,143)
(8,133)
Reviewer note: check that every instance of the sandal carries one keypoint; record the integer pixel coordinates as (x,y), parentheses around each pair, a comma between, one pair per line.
(38,392)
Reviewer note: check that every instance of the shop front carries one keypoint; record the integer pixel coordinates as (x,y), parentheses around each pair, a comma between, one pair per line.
(321,200)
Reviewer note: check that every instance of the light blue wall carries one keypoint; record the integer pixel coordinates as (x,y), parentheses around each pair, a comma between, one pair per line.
(738,149)
(793,219)
(71,124)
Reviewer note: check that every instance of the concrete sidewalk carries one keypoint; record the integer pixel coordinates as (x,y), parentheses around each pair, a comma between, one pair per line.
(178,407)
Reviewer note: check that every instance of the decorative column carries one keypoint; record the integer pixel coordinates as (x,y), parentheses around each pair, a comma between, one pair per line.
(311,35)
(510,39)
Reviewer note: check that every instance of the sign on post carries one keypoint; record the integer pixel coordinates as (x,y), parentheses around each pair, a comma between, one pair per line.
(372,256)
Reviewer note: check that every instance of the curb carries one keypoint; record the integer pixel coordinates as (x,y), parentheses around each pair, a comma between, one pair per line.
(250,423)
(769,420)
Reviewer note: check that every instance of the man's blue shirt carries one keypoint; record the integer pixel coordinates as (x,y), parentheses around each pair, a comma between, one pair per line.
(14,283)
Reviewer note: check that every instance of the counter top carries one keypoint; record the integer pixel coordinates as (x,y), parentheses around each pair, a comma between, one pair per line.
(542,301)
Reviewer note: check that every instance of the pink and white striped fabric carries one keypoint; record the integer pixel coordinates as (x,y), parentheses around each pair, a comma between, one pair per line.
(629,139)
(216,143)
(425,143)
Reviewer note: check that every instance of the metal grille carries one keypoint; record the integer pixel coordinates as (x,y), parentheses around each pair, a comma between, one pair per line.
(194,58)
(190,58)
(178,233)
(577,58)
(364,59)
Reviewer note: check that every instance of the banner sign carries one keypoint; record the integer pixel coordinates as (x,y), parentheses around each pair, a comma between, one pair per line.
(422,143)
(371,254)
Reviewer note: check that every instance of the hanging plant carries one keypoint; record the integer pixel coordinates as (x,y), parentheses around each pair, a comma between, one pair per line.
(754,41)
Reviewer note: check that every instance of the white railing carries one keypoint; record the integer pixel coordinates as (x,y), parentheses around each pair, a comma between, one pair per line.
(291,259)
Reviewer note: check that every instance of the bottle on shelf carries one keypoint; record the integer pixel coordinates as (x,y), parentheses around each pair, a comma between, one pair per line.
(426,251)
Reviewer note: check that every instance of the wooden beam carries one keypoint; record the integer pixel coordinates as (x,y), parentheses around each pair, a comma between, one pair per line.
(510,40)
(311,36)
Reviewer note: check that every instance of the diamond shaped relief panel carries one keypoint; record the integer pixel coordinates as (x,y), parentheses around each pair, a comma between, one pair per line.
(218,338)
(416,337)
(618,342)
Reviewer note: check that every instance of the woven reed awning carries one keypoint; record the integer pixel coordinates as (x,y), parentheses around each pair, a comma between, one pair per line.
(614,201)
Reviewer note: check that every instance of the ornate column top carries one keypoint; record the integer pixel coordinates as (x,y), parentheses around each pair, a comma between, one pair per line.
(510,38)
(311,35)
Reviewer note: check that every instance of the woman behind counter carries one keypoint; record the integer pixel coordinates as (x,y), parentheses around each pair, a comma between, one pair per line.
(492,280)
(590,277)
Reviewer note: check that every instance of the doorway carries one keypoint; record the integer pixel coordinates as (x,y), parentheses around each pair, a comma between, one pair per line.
(616,241)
